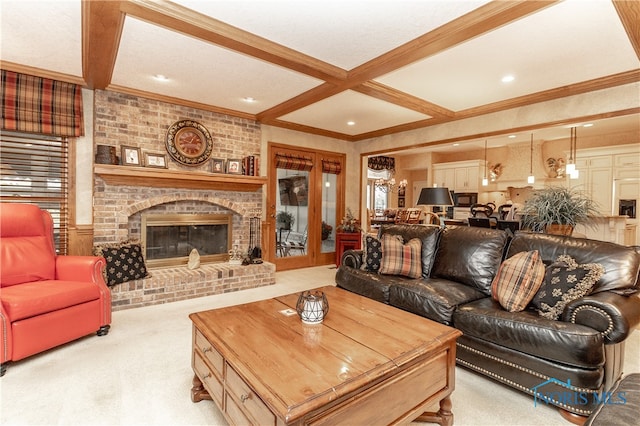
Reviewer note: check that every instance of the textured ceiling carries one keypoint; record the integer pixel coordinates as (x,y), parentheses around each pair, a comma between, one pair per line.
(386,65)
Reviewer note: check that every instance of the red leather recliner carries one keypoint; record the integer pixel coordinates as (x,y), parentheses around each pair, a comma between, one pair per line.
(47,300)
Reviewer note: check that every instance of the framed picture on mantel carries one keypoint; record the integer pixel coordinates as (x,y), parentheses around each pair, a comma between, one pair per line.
(131,156)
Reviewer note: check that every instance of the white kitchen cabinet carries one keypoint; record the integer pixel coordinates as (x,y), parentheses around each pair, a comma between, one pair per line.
(596,178)
(459,176)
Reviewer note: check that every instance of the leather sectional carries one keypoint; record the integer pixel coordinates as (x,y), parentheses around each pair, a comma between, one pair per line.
(567,362)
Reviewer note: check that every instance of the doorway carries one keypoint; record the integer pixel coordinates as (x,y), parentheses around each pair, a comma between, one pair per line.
(305,199)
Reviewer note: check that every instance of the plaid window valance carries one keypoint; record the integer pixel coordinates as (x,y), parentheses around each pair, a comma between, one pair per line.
(331,166)
(381,163)
(40,105)
(293,162)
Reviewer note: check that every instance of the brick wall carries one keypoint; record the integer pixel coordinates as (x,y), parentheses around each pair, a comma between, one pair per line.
(128,120)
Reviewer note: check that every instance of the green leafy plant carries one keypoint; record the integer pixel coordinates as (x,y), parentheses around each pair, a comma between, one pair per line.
(284,220)
(558,206)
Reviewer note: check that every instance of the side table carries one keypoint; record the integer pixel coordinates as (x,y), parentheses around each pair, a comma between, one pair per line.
(347,241)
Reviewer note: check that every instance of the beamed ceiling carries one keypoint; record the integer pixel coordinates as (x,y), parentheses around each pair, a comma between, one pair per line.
(387,66)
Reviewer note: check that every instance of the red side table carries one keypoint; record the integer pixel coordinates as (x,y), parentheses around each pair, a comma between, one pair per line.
(347,241)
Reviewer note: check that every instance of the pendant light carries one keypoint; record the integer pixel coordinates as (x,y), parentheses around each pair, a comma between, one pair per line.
(571,169)
(531,178)
(485,181)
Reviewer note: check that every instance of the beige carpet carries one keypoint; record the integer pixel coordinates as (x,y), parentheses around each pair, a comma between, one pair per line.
(140,373)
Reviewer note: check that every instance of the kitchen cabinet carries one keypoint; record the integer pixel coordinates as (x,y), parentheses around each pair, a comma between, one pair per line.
(459,176)
(596,178)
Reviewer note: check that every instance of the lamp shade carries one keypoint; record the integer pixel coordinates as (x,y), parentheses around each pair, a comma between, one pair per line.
(435,197)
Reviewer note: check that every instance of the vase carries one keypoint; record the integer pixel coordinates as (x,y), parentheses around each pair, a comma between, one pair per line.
(559,229)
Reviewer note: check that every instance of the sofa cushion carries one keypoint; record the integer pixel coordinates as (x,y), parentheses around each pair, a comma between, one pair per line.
(372,253)
(39,297)
(518,280)
(527,332)
(124,262)
(565,281)
(470,255)
(621,263)
(428,235)
(401,259)
(433,298)
(366,283)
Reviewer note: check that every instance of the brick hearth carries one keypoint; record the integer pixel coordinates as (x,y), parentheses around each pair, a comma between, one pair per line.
(180,283)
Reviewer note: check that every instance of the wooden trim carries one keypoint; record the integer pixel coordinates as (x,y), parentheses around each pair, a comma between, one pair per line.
(389,94)
(178,101)
(102,23)
(160,178)
(629,13)
(81,240)
(39,72)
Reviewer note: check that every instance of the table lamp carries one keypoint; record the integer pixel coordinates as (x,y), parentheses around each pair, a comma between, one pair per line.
(435,197)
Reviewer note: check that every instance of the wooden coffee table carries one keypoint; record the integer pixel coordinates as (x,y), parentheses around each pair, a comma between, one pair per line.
(367,363)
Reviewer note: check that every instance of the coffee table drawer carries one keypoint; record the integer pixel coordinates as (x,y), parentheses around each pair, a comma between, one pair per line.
(246,400)
(214,358)
(209,379)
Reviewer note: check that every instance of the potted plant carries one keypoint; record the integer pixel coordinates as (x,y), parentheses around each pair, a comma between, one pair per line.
(557,210)
(284,220)
(349,223)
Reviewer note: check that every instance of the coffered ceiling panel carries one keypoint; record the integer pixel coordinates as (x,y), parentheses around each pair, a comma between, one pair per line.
(366,113)
(43,34)
(561,45)
(201,72)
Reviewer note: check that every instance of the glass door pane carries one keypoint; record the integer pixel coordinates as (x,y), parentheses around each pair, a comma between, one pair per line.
(329,212)
(292,213)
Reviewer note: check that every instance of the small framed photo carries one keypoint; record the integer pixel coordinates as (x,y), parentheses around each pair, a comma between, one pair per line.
(217,165)
(400,202)
(234,166)
(155,160)
(131,156)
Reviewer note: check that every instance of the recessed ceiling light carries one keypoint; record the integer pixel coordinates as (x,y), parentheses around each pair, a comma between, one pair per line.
(588,125)
(351,123)
(161,77)
(508,78)
(249,99)
(456,144)
(512,136)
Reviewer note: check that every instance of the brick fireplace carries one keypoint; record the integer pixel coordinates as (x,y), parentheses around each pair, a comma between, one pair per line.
(122,194)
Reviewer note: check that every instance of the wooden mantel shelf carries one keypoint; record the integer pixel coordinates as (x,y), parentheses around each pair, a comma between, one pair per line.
(163,178)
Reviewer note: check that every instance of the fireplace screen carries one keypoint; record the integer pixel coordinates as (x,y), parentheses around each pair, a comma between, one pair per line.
(169,238)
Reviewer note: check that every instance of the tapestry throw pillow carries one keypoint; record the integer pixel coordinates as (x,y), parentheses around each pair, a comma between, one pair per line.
(565,280)
(124,262)
(372,253)
(401,259)
(517,281)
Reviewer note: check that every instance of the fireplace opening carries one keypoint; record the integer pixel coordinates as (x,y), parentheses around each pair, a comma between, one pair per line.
(168,239)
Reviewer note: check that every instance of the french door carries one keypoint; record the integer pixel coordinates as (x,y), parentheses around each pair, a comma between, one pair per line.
(305,200)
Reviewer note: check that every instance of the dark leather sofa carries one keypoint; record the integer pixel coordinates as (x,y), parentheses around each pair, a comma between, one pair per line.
(535,355)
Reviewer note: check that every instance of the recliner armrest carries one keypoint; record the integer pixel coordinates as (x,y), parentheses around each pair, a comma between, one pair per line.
(615,316)
(81,268)
(352,258)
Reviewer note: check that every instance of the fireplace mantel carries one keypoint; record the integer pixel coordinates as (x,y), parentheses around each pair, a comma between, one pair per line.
(163,178)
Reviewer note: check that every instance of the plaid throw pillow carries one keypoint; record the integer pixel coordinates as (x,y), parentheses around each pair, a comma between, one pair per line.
(372,253)
(517,281)
(565,281)
(401,259)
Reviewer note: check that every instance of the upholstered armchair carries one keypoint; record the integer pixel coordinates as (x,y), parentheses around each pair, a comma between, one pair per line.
(46,300)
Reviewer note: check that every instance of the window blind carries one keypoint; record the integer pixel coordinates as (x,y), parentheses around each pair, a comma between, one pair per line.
(34,170)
